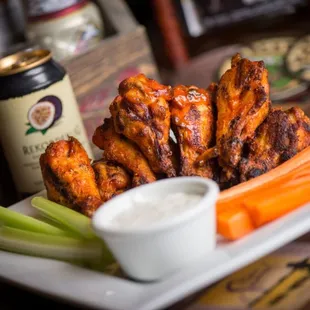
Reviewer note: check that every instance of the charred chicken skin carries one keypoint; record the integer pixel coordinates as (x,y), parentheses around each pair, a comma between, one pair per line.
(243,103)
(193,125)
(119,149)
(281,136)
(111,179)
(141,113)
(69,177)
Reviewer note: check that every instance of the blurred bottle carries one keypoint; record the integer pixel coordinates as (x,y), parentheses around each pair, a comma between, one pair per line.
(65,27)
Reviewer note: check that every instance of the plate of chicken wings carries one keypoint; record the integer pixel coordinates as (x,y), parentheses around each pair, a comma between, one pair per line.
(228,132)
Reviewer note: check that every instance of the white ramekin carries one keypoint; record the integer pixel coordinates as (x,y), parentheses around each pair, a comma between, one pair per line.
(157,251)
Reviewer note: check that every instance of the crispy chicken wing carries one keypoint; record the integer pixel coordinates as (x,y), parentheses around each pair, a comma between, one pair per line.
(119,149)
(141,113)
(111,179)
(282,135)
(243,102)
(193,125)
(68,176)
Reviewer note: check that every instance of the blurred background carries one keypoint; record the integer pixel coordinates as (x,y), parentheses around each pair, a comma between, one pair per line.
(175,41)
(101,42)
(189,41)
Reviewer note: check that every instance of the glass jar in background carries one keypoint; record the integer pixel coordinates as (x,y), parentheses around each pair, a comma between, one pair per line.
(67,27)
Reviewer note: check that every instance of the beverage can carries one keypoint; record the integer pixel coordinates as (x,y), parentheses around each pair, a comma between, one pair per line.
(37,106)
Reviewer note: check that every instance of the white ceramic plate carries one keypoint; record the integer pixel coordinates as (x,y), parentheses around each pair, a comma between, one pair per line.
(95,290)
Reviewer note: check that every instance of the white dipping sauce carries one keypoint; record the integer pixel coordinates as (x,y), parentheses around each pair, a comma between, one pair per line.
(144,212)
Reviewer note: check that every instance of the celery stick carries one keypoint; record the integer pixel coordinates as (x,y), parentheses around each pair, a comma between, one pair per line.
(44,218)
(15,219)
(72,219)
(48,246)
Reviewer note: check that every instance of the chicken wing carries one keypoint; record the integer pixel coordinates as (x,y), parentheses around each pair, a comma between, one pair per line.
(68,176)
(282,135)
(243,103)
(141,113)
(119,149)
(111,179)
(193,125)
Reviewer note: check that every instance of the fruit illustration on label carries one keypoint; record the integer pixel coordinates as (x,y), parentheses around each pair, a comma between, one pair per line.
(44,114)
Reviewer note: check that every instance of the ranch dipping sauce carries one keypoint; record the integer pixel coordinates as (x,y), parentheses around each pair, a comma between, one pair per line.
(143,212)
(160,228)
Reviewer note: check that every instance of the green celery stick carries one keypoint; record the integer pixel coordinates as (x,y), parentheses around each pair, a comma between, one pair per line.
(44,218)
(18,220)
(50,246)
(72,219)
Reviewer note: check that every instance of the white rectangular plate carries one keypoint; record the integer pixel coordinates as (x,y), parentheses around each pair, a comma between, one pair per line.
(96,290)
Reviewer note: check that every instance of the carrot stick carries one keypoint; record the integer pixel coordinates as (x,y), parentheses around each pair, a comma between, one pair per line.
(272,191)
(297,173)
(235,219)
(238,220)
(298,160)
(290,180)
(246,208)
(299,180)
(234,223)
(274,205)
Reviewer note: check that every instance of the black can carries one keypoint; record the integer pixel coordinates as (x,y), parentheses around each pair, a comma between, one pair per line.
(37,107)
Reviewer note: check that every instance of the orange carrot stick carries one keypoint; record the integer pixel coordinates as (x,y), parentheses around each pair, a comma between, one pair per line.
(290,180)
(300,172)
(271,206)
(235,220)
(300,180)
(301,158)
(241,213)
(234,223)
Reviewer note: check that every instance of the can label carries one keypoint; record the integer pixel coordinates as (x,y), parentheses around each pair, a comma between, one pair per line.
(31,122)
